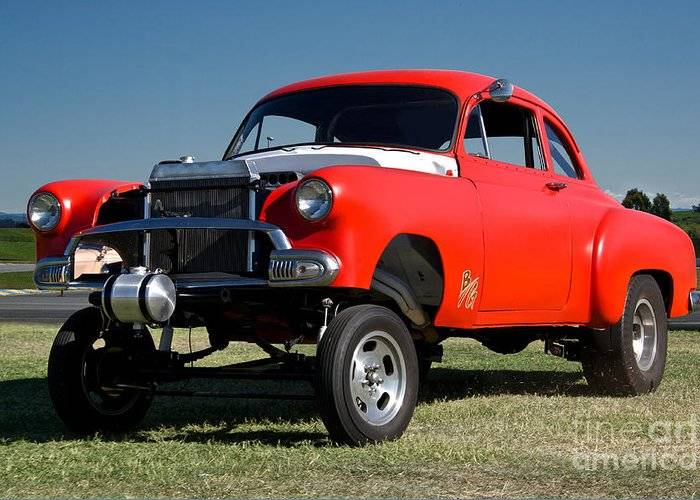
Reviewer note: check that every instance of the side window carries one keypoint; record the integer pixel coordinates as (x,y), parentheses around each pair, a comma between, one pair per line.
(285,130)
(563,163)
(511,135)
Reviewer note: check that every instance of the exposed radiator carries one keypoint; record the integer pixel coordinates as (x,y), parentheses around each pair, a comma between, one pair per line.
(200,250)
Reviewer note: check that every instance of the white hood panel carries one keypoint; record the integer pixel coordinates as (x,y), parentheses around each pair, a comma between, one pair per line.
(305,159)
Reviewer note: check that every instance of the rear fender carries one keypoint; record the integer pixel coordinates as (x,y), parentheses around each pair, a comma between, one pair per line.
(629,242)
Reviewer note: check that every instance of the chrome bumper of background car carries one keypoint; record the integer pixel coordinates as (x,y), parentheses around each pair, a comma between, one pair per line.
(695,300)
(288,266)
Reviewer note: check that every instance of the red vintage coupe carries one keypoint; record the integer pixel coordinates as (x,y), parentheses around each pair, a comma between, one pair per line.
(375,215)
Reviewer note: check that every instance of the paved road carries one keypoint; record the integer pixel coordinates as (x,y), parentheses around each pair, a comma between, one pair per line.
(51,308)
(14,268)
(44,308)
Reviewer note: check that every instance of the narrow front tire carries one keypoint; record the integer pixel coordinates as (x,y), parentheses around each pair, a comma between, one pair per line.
(367,376)
(82,363)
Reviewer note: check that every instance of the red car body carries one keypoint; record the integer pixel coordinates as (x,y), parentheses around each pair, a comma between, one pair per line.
(420,205)
(535,255)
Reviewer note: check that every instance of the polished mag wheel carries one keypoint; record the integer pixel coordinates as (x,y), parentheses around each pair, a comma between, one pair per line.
(644,334)
(367,378)
(635,360)
(378,378)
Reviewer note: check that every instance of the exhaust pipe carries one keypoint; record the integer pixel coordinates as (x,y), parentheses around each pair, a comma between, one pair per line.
(140,296)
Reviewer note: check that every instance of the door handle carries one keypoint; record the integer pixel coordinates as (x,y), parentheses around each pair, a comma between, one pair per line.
(556,186)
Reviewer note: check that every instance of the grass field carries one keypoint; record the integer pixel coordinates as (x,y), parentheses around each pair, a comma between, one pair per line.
(507,426)
(17,245)
(687,220)
(22,279)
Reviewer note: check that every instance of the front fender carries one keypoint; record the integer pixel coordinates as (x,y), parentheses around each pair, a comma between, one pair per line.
(80,201)
(628,242)
(371,205)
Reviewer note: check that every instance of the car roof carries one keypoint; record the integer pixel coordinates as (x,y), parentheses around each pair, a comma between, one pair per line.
(461,83)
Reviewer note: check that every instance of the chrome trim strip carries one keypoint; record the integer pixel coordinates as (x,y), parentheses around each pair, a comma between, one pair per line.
(694,300)
(281,262)
(185,284)
(147,236)
(251,234)
(484,138)
(277,237)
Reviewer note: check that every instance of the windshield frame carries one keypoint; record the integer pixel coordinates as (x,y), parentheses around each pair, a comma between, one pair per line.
(449,150)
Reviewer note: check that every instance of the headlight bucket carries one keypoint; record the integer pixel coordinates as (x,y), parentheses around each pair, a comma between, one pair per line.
(44,211)
(314,199)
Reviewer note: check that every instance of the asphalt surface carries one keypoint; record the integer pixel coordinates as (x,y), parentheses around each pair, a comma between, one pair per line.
(41,308)
(53,308)
(14,268)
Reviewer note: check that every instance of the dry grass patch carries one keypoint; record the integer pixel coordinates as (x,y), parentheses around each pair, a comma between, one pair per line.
(512,426)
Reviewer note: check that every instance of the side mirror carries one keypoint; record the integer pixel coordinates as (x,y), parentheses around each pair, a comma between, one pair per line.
(501,90)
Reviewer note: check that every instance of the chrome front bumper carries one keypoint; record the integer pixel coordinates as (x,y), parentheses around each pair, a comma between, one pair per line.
(288,267)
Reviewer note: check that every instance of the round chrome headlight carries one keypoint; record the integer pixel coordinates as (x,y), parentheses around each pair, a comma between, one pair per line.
(44,211)
(314,199)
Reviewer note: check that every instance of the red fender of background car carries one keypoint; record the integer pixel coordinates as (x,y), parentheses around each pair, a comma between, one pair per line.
(80,201)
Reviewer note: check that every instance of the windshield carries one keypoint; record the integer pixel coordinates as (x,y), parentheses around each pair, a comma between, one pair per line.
(392,116)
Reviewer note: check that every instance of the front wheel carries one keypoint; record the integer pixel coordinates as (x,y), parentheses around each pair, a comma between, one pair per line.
(82,365)
(367,376)
(635,362)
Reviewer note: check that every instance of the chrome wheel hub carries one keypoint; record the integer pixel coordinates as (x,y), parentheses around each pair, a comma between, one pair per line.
(644,334)
(377,378)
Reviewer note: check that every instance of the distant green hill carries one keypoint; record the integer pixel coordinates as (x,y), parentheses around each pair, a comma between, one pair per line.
(690,222)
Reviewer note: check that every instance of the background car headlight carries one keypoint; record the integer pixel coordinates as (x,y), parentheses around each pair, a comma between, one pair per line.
(44,211)
(314,199)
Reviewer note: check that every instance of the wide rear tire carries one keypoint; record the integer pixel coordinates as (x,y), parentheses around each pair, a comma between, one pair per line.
(367,376)
(636,360)
(77,365)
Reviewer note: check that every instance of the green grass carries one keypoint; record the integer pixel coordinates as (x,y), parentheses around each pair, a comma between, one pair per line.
(21,279)
(17,245)
(487,424)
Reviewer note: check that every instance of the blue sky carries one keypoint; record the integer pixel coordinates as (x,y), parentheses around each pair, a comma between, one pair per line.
(106,89)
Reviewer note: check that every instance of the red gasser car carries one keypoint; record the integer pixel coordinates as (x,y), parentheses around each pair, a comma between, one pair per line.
(375,215)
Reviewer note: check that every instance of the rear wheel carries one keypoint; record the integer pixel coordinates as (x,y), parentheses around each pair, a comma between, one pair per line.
(636,360)
(368,375)
(82,365)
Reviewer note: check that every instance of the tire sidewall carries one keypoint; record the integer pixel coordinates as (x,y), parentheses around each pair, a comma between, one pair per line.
(644,287)
(367,320)
(66,381)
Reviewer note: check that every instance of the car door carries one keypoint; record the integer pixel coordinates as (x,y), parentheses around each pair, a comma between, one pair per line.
(526,224)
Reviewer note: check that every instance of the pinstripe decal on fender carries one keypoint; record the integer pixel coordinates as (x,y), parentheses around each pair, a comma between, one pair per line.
(469,290)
